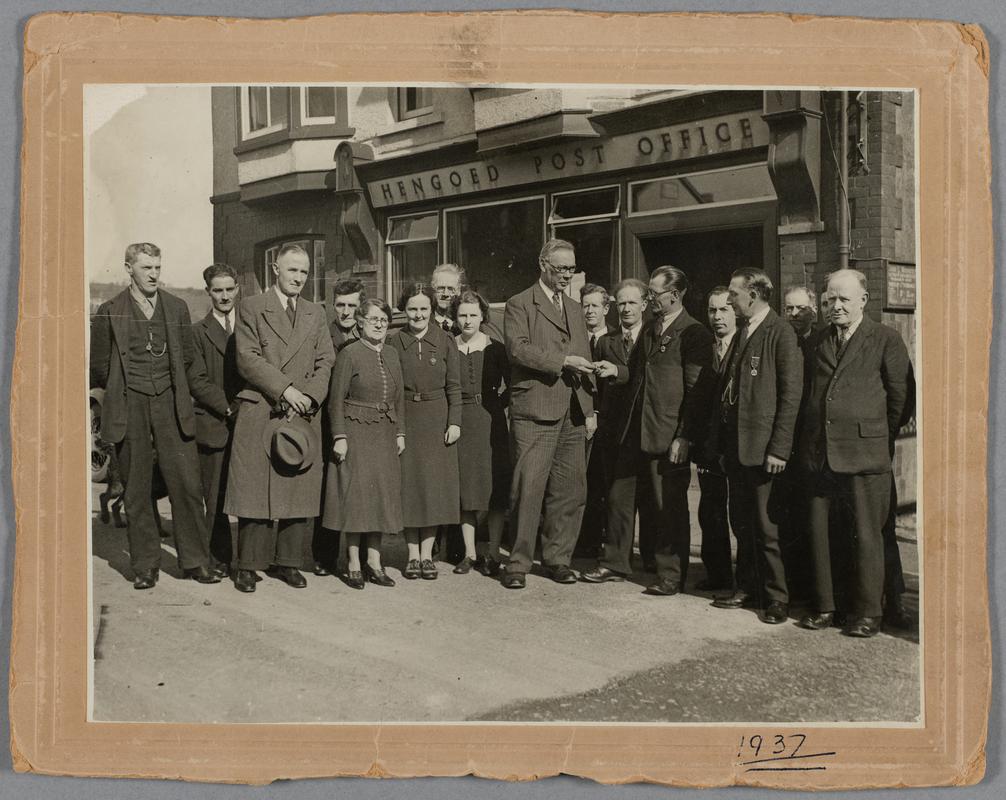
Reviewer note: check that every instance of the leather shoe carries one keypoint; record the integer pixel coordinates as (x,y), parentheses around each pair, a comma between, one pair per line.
(220,569)
(245,580)
(739,599)
(321,571)
(488,566)
(561,574)
(863,627)
(145,579)
(464,566)
(289,575)
(601,575)
(775,613)
(354,579)
(411,571)
(664,588)
(201,574)
(378,576)
(818,621)
(895,615)
(513,580)
(427,570)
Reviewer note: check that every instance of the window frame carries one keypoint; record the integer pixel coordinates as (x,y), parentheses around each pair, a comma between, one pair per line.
(245,107)
(309,241)
(420,111)
(631,213)
(389,278)
(305,120)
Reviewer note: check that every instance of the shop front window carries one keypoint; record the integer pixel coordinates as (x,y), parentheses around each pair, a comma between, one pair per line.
(589,221)
(265,109)
(701,189)
(315,249)
(412,250)
(498,245)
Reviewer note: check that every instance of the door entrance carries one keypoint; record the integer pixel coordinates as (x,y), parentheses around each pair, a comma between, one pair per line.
(707,257)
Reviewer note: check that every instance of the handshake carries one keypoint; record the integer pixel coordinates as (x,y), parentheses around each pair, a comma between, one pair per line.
(582,366)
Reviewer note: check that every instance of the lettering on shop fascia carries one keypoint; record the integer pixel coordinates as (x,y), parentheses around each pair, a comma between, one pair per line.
(704,137)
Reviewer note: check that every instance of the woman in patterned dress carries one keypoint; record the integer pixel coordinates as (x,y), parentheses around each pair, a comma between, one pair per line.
(430,492)
(363,497)
(483,453)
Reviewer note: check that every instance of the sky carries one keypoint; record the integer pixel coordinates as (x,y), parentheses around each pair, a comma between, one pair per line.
(148,178)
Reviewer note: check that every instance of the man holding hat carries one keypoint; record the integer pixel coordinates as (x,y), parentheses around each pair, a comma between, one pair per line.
(285,355)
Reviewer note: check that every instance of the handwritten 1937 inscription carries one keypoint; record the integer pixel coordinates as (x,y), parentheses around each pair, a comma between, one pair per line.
(780,753)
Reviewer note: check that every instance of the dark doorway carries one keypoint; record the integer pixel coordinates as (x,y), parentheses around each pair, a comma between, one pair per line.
(708,258)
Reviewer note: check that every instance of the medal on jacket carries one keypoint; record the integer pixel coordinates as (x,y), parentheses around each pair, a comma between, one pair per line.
(664,342)
(755,361)
(433,360)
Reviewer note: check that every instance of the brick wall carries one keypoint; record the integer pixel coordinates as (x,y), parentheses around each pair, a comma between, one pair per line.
(240,230)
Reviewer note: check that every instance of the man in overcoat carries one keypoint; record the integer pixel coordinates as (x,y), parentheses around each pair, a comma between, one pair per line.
(213,337)
(551,416)
(143,356)
(285,356)
(857,401)
(759,398)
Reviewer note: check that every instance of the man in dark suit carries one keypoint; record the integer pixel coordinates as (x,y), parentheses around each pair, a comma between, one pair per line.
(213,336)
(347,295)
(285,356)
(595,302)
(551,415)
(143,356)
(790,495)
(660,418)
(857,403)
(759,398)
(713,498)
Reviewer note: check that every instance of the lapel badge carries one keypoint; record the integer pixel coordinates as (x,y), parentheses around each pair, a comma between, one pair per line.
(664,342)
(755,361)
(433,360)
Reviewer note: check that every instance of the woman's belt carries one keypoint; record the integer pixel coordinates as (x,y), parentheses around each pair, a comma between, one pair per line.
(382,406)
(422,397)
(469,399)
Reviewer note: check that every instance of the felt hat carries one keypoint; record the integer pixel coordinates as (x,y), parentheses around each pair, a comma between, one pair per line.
(292,444)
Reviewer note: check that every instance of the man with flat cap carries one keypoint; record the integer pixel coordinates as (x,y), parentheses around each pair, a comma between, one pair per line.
(285,355)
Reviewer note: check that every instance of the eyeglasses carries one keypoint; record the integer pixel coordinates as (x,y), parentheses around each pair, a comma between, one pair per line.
(562,270)
(445,290)
(652,295)
(377,322)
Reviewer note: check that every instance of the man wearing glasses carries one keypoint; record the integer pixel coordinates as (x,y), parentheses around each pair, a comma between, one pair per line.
(551,415)
(447,280)
(660,420)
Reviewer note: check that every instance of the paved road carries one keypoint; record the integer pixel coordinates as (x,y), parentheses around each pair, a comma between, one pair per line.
(463,648)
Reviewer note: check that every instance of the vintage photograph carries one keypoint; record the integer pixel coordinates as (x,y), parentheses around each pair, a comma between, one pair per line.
(457,403)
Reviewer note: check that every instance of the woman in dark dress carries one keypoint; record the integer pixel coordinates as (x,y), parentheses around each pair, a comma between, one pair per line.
(484,449)
(430,490)
(366,405)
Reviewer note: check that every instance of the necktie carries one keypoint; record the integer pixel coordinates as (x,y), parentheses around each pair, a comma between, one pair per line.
(627,343)
(843,338)
(291,311)
(446,325)
(593,345)
(557,302)
(227,324)
(146,307)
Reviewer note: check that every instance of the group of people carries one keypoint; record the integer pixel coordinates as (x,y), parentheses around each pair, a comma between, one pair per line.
(302,424)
